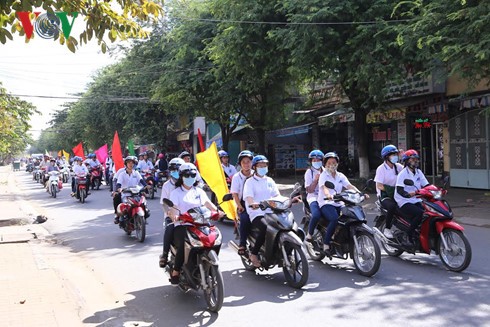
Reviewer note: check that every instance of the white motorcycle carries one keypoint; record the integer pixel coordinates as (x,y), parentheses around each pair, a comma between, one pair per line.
(54,183)
(65,171)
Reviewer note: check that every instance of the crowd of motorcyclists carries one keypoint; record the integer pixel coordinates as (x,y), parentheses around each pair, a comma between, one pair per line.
(182,189)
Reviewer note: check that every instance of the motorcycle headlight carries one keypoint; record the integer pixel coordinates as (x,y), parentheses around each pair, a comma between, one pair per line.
(194,239)
(355,198)
(437,194)
(218,238)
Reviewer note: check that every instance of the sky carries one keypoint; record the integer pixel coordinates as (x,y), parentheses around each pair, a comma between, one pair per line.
(43,67)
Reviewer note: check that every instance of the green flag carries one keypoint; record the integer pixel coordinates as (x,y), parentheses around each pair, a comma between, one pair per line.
(131,147)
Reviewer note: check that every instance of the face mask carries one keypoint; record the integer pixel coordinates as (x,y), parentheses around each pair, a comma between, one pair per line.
(394,159)
(262,171)
(316,164)
(332,168)
(189,181)
(174,174)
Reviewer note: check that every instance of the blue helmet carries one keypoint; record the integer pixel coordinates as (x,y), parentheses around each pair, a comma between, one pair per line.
(223,153)
(91,155)
(387,150)
(77,158)
(245,154)
(259,158)
(315,154)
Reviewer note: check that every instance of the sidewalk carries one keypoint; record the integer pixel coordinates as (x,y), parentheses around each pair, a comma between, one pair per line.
(470,206)
(32,293)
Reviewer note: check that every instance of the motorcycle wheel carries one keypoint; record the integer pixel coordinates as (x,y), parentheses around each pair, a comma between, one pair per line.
(314,248)
(152,193)
(53,191)
(214,294)
(391,251)
(83,195)
(140,228)
(368,261)
(97,183)
(297,275)
(458,257)
(247,264)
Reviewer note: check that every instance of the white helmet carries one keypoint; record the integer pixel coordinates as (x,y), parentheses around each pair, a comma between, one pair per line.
(175,163)
(187,167)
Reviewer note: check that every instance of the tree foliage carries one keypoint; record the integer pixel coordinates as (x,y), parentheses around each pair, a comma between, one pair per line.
(104,20)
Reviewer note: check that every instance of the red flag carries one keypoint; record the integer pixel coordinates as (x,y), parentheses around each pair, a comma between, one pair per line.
(102,153)
(199,137)
(117,153)
(78,150)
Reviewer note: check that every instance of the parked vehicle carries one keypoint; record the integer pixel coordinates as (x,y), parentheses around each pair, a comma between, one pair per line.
(131,212)
(352,236)
(438,232)
(202,245)
(284,240)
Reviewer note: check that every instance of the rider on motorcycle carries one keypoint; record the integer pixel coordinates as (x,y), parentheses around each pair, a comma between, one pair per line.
(126,179)
(52,167)
(186,156)
(229,170)
(109,167)
(144,164)
(185,196)
(385,179)
(245,161)
(329,208)
(405,194)
(79,170)
(92,161)
(312,176)
(258,188)
(167,188)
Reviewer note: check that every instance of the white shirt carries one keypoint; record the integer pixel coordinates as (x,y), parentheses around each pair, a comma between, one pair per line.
(109,165)
(80,170)
(167,188)
(339,181)
(92,163)
(186,199)
(386,175)
(310,175)
(229,170)
(419,181)
(260,189)
(144,165)
(237,183)
(126,180)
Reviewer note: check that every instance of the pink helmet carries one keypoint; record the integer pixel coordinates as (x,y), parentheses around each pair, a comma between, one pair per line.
(160,156)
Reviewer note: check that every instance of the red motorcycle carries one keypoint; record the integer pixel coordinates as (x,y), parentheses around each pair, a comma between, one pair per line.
(82,193)
(131,212)
(202,246)
(95,177)
(438,232)
(150,180)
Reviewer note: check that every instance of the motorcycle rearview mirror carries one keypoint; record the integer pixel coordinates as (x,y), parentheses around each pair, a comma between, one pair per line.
(408,182)
(168,202)
(445,182)
(227,197)
(329,185)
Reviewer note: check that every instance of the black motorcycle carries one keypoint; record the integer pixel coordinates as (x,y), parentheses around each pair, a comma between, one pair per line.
(351,237)
(283,243)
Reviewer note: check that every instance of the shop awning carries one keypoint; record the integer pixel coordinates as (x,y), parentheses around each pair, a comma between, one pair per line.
(342,115)
(291,131)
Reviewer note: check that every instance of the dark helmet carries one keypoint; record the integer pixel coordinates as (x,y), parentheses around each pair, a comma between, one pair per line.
(329,155)
(388,150)
(259,158)
(410,153)
(129,158)
(184,154)
(245,154)
(315,154)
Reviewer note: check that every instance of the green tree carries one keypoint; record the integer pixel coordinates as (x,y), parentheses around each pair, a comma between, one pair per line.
(350,43)
(117,19)
(452,32)
(14,124)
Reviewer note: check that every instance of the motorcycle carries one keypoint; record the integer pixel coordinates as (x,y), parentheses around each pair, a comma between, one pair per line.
(95,177)
(54,183)
(150,180)
(201,264)
(36,174)
(283,244)
(437,232)
(162,178)
(29,167)
(82,190)
(352,235)
(65,173)
(132,212)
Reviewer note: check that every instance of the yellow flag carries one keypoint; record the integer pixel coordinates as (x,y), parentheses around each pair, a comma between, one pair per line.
(211,170)
(66,155)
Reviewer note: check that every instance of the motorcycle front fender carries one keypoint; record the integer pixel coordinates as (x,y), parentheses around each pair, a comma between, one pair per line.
(290,237)
(441,225)
(362,227)
(212,258)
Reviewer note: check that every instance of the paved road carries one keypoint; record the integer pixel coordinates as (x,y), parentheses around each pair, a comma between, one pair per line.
(411,290)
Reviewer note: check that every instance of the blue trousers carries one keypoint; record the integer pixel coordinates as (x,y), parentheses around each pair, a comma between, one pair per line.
(331,213)
(245,226)
(316,214)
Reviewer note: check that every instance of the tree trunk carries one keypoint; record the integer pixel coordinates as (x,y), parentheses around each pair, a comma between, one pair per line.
(362,142)
(225,136)
(261,140)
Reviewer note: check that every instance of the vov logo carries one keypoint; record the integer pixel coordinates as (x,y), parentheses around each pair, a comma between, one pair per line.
(47,25)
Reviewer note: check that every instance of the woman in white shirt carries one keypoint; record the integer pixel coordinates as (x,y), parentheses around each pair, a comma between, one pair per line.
(185,196)
(312,175)
(329,208)
(385,179)
(258,188)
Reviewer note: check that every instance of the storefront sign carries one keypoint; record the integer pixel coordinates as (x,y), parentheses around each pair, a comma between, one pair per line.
(422,123)
(385,116)
(402,134)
